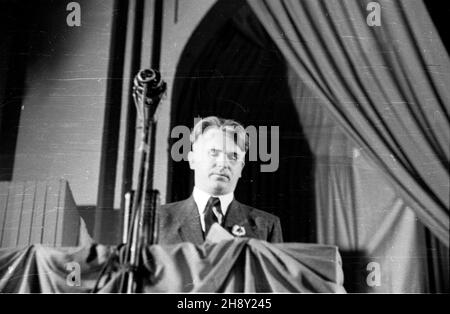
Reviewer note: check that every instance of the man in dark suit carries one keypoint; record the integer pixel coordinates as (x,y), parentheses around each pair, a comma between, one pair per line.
(217,158)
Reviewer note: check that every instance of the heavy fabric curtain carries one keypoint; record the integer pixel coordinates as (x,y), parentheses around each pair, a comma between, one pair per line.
(386,86)
(237,265)
(359,210)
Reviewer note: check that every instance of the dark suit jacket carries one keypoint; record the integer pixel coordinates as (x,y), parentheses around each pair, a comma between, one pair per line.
(180,222)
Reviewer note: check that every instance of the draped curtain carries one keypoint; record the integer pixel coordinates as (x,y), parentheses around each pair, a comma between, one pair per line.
(386,86)
(361,212)
(227,266)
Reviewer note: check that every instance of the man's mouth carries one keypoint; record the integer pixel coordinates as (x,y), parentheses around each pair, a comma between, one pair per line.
(221,175)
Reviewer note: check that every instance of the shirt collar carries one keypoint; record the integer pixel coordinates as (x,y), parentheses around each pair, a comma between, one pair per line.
(201,198)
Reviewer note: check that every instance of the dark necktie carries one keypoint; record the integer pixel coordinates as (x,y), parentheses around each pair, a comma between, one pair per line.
(210,216)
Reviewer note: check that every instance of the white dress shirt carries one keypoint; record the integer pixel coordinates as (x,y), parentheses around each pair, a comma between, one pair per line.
(201,198)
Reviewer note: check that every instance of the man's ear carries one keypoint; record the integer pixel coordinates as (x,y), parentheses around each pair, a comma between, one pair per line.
(191,160)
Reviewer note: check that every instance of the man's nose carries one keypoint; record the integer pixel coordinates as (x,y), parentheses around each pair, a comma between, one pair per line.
(222,160)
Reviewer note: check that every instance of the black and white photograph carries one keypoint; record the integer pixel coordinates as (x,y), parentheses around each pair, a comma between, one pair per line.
(224,152)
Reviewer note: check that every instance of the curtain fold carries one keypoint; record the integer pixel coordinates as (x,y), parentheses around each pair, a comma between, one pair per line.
(386,86)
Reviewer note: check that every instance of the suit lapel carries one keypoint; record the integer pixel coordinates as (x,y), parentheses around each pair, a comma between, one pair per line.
(189,226)
(237,215)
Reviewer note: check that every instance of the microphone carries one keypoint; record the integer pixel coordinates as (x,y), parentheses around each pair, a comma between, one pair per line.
(148,84)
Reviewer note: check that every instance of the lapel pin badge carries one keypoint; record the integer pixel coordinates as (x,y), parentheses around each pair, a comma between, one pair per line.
(238,231)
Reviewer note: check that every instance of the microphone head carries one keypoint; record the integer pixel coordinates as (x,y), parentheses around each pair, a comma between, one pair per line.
(152,79)
(146,75)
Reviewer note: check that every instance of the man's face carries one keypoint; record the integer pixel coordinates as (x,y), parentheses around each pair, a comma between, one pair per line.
(217,162)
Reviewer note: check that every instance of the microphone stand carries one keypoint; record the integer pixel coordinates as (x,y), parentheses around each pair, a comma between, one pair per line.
(143,225)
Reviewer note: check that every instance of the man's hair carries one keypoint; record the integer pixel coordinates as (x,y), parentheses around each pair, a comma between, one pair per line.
(231,127)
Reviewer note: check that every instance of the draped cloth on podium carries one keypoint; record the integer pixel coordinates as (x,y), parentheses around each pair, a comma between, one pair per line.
(235,265)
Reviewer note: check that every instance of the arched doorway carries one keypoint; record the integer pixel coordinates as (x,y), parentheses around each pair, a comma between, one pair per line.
(231,68)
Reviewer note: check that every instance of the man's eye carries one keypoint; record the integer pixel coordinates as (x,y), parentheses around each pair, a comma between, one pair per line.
(233,156)
(213,152)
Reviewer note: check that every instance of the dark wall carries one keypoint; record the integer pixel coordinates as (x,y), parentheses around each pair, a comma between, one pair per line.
(60,95)
(55,93)
(240,74)
(16,25)
(439,12)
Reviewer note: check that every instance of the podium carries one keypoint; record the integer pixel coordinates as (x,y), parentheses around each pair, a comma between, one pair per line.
(234,265)
(40,229)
